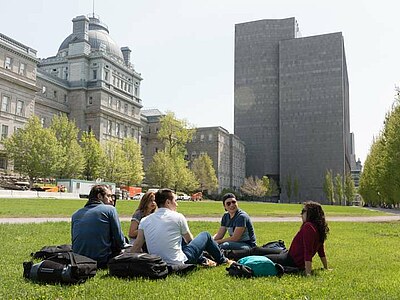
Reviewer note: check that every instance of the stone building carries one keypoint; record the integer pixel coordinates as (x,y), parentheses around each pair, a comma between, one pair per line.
(92,80)
(226,151)
(17,88)
(292,105)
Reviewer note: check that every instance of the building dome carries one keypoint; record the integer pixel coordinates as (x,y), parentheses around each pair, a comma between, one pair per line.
(99,38)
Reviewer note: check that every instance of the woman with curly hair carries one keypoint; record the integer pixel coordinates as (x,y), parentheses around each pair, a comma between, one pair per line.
(147,206)
(307,242)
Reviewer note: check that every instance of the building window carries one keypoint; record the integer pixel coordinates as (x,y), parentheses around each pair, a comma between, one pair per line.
(4,131)
(114,80)
(106,76)
(3,163)
(90,101)
(136,91)
(210,137)
(109,101)
(133,110)
(7,63)
(19,111)
(117,129)
(118,104)
(94,74)
(43,90)
(129,88)
(21,69)
(202,137)
(109,126)
(126,108)
(65,98)
(5,103)
(55,94)
(43,121)
(126,131)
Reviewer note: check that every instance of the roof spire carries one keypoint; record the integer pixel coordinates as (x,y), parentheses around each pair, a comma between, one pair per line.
(93,8)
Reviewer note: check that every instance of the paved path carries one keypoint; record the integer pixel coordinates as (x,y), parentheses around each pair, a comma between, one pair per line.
(218,219)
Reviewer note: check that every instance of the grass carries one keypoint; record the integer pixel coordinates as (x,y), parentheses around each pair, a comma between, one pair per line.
(364,258)
(64,208)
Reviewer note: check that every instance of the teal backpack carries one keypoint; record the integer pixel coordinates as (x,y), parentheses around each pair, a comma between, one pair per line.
(261,266)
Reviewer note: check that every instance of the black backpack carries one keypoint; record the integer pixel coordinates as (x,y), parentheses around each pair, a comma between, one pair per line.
(48,251)
(67,267)
(138,265)
(239,270)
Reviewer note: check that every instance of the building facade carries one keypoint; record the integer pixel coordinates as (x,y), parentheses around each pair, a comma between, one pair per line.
(292,105)
(17,88)
(92,80)
(226,151)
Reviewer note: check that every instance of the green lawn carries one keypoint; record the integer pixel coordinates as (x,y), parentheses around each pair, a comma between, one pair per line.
(364,258)
(65,208)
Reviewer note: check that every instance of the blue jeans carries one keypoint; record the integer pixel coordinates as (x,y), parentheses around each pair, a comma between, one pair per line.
(234,246)
(202,242)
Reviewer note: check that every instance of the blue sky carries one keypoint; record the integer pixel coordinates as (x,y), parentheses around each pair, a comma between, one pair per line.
(184,49)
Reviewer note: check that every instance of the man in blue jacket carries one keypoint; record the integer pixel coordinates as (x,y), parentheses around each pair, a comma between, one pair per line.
(96,229)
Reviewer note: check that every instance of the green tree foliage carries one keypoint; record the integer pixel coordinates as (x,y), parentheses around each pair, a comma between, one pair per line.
(94,156)
(161,171)
(34,150)
(71,161)
(116,165)
(133,155)
(328,187)
(288,186)
(338,189)
(204,171)
(254,186)
(349,189)
(175,134)
(185,179)
(273,189)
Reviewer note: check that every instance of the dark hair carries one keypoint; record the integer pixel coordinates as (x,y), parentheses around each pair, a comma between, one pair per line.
(316,215)
(162,195)
(97,189)
(145,201)
(227,196)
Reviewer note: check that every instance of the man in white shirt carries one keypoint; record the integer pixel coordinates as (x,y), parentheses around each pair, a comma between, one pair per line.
(163,232)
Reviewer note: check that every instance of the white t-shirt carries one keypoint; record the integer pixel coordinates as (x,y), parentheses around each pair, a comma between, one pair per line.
(163,231)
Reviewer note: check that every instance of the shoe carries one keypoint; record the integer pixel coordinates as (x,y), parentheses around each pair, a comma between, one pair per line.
(227,262)
(209,263)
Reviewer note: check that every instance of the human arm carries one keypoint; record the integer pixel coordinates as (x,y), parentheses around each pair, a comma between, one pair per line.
(237,234)
(220,234)
(188,237)
(115,226)
(139,242)
(133,229)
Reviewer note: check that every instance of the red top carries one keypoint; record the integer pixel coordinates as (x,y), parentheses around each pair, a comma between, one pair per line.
(305,244)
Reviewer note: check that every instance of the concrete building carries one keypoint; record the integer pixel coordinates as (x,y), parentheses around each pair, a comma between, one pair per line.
(226,151)
(92,80)
(17,88)
(292,105)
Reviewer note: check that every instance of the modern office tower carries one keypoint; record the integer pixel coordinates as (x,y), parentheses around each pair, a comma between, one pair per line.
(292,106)
(17,88)
(92,80)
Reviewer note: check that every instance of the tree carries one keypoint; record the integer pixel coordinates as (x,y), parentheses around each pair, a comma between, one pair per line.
(328,187)
(349,188)
(72,160)
(34,150)
(273,189)
(204,171)
(93,155)
(296,187)
(289,187)
(174,134)
(338,187)
(116,166)
(161,171)
(185,179)
(253,186)
(134,161)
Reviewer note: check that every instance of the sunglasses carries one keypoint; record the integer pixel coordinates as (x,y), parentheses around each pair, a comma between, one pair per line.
(228,203)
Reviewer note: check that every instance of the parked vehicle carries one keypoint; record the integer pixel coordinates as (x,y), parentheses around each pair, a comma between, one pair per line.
(138,196)
(182,196)
(131,190)
(82,187)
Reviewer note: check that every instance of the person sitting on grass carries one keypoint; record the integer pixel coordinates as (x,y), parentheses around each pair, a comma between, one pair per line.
(96,229)
(238,224)
(147,206)
(307,242)
(163,231)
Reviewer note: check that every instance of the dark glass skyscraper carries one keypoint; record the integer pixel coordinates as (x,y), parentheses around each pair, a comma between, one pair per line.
(292,105)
